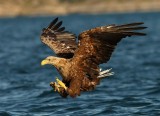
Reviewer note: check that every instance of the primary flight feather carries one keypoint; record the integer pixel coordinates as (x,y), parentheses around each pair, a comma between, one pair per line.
(78,62)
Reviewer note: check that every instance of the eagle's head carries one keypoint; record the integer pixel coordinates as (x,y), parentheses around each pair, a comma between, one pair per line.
(59,63)
(50,60)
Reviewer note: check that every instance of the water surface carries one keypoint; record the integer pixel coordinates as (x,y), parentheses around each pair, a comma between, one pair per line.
(24,84)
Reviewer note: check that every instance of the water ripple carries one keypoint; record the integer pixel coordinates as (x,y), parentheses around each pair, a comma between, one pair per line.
(24,86)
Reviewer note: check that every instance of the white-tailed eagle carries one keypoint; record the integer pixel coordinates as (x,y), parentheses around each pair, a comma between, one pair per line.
(78,62)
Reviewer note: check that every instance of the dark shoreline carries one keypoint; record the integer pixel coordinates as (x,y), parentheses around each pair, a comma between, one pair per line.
(9,8)
(60,15)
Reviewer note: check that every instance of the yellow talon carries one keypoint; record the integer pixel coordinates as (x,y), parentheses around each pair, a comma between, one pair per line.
(56,87)
(61,83)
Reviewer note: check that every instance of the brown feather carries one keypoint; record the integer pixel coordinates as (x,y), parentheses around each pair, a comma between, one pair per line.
(131,28)
(52,23)
(95,47)
(129,25)
(57,26)
(61,29)
(63,43)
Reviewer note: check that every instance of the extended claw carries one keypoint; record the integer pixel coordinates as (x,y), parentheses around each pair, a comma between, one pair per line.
(55,86)
(61,84)
(61,90)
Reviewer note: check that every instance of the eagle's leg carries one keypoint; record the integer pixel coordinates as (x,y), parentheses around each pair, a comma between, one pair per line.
(61,84)
(105,73)
(59,89)
(57,85)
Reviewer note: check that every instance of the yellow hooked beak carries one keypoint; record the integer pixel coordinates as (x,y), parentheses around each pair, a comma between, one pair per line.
(44,62)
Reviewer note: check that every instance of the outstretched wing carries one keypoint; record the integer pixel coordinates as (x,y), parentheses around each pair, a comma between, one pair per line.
(96,45)
(62,42)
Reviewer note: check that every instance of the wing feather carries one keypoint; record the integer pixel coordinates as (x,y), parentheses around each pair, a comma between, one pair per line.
(62,42)
(61,29)
(129,25)
(57,26)
(53,23)
(131,28)
(97,45)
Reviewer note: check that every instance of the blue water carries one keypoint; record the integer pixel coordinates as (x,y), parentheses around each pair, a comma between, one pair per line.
(24,84)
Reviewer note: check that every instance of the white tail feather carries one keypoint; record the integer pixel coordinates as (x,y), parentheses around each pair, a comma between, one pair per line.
(105,73)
